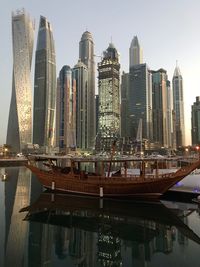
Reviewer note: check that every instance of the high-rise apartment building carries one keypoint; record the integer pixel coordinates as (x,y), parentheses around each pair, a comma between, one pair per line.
(140,101)
(124,105)
(97,113)
(65,111)
(86,55)
(178,106)
(80,82)
(109,97)
(135,53)
(19,131)
(161,109)
(170,132)
(45,87)
(196,122)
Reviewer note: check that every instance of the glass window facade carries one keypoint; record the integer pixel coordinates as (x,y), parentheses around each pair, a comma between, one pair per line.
(109,97)
(45,87)
(20,117)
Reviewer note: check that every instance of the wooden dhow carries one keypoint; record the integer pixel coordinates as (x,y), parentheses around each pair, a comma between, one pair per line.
(108,184)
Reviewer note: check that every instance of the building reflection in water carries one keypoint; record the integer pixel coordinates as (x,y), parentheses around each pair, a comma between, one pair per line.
(61,230)
(15,193)
(16,248)
(84,235)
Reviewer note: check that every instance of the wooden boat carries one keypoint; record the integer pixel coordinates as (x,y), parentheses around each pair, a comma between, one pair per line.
(107,184)
(128,219)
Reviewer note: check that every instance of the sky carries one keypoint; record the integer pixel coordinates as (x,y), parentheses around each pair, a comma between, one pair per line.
(168,31)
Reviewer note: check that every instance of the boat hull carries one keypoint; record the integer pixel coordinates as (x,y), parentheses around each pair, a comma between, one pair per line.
(118,187)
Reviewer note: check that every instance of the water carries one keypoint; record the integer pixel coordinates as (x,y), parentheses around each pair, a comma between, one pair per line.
(40,229)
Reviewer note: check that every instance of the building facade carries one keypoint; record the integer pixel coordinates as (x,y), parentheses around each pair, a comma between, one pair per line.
(124,105)
(135,53)
(140,101)
(65,111)
(178,106)
(161,109)
(86,55)
(97,114)
(195,119)
(109,97)
(80,82)
(44,87)
(19,131)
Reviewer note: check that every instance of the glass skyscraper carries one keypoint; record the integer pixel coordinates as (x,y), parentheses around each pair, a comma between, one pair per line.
(178,106)
(124,104)
(140,101)
(80,82)
(135,53)
(65,110)
(139,94)
(109,97)
(196,122)
(45,87)
(161,109)
(86,55)
(19,132)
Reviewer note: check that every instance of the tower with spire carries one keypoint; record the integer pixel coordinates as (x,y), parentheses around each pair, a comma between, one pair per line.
(86,55)
(178,106)
(135,53)
(139,96)
(45,87)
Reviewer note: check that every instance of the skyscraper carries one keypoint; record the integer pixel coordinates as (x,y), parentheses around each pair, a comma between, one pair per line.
(45,87)
(19,131)
(178,106)
(65,110)
(196,122)
(135,53)
(139,97)
(124,105)
(161,109)
(140,101)
(109,97)
(170,132)
(86,55)
(80,83)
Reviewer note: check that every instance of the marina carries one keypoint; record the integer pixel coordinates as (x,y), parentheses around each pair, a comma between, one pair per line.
(68,230)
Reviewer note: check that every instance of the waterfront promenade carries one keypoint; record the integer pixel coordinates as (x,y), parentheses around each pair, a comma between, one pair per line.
(13,161)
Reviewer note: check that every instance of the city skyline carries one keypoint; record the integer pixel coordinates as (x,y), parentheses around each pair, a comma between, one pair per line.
(161,45)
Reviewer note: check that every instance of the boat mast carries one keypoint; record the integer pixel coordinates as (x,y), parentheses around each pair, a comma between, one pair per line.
(139,136)
(111,157)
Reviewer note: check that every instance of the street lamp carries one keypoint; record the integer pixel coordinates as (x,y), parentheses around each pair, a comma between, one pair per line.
(5,151)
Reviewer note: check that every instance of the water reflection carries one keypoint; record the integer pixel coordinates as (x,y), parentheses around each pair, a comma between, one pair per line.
(78,225)
(44,229)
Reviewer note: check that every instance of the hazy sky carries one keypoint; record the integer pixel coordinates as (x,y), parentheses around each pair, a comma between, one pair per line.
(167,31)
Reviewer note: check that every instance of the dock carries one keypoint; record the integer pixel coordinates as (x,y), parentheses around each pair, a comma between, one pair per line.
(13,161)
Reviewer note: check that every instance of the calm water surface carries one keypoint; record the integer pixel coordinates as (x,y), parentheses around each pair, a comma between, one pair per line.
(43,229)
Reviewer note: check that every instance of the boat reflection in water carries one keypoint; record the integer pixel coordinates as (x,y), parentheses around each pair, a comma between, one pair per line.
(101,232)
(3,174)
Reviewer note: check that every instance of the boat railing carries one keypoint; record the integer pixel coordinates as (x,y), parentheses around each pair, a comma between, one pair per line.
(130,178)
